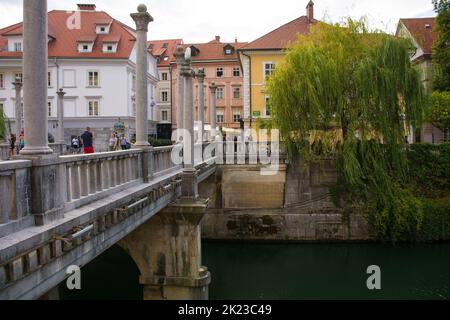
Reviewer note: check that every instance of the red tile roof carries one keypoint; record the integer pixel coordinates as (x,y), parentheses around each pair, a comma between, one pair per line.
(279,38)
(164,48)
(64,44)
(424,36)
(214,50)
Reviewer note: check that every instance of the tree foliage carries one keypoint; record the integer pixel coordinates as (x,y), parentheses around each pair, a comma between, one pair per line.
(360,87)
(441,48)
(439,112)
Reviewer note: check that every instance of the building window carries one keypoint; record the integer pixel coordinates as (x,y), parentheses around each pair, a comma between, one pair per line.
(220,94)
(164,96)
(134,109)
(50,109)
(49,79)
(110,48)
(164,76)
(93,108)
(269,68)
(236,72)
(2,81)
(236,116)
(266,106)
(18,46)
(2,108)
(228,51)
(220,117)
(164,115)
(133,83)
(219,72)
(236,93)
(18,77)
(93,78)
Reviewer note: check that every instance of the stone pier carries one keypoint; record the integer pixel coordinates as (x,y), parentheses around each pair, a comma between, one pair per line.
(167,251)
(18,106)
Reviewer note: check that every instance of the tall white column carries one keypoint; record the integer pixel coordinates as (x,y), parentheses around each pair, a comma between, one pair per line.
(213,89)
(60,112)
(201,105)
(179,55)
(188,119)
(35,68)
(142,19)
(18,105)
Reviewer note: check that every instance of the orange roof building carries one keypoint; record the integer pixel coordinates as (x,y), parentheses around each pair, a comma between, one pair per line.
(221,63)
(259,59)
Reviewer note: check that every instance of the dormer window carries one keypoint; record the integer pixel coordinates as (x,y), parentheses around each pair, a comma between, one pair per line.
(110,47)
(103,27)
(228,49)
(17,46)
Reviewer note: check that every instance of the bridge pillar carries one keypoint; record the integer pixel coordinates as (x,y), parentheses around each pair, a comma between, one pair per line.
(142,19)
(60,113)
(167,250)
(213,89)
(179,55)
(201,105)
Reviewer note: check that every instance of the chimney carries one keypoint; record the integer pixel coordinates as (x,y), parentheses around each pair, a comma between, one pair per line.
(86,7)
(310,10)
(236,40)
(218,38)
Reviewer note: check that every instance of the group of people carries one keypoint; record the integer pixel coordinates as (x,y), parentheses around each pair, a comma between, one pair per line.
(83,143)
(15,148)
(118,142)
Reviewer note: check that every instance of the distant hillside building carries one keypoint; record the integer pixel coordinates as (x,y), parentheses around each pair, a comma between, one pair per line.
(92,58)
(421,32)
(163,50)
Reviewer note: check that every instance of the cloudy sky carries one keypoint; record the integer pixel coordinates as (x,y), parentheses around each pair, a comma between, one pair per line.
(201,20)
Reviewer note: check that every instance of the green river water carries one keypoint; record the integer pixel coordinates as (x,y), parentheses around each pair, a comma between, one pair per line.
(289,271)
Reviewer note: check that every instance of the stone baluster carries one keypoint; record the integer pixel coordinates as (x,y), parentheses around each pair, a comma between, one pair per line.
(68,183)
(84,180)
(106,179)
(113,172)
(75,181)
(4,198)
(99,175)
(92,177)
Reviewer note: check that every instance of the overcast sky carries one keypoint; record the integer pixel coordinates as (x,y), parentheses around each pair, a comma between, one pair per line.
(201,20)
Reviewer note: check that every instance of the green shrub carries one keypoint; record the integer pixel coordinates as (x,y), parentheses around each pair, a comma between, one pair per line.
(439,113)
(436,223)
(159,142)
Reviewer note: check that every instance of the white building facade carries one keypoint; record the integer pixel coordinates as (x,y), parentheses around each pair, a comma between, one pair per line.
(96,70)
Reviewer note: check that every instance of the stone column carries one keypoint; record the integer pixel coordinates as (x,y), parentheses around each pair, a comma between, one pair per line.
(179,55)
(19,113)
(35,68)
(142,18)
(60,112)
(189,188)
(201,105)
(167,251)
(213,89)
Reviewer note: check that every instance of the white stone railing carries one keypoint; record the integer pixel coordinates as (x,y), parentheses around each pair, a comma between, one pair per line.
(94,174)
(4,147)
(57,149)
(15,191)
(161,161)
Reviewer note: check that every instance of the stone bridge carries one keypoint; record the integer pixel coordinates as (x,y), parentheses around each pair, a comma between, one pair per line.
(60,211)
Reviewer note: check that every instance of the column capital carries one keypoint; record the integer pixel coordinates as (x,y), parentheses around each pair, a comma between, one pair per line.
(201,75)
(213,87)
(179,55)
(17,85)
(61,93)
(142,18)
(186,70)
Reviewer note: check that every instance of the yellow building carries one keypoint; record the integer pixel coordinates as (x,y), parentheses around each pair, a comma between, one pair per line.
(260,58)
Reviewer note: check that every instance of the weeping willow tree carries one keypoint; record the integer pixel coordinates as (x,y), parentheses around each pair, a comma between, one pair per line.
(354,93)
(2,124)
